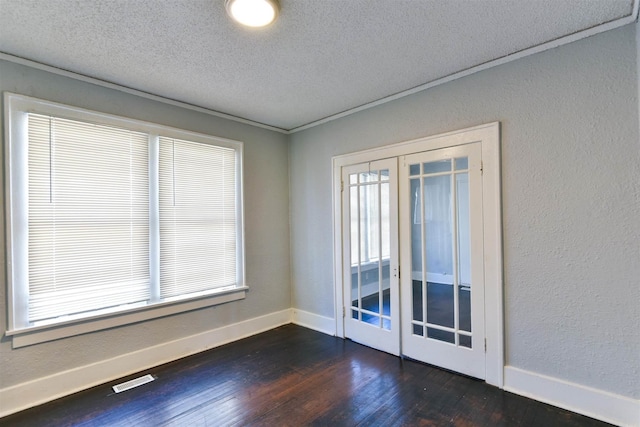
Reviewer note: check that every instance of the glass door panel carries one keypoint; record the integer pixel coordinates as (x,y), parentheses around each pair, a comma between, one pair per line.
(438,240)
(367,294)
(372,222)
(433,246)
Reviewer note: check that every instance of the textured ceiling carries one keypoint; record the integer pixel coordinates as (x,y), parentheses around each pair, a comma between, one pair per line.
(320,58)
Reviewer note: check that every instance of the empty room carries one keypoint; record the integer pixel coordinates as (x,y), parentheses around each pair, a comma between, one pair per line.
(334,212)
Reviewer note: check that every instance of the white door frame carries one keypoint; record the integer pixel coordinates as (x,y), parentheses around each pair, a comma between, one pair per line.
(489,137)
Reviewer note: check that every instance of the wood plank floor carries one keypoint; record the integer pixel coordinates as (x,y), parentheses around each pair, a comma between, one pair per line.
(292,376)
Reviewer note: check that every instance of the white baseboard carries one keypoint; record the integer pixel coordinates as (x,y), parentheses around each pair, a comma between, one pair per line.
(598,404)
(594,403)
(42,390)
(313,321)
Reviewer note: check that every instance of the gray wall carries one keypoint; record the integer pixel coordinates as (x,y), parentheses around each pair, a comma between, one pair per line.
(571,192)
(266,183)
(571,201)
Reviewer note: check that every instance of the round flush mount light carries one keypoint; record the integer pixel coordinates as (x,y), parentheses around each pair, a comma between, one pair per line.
(253,13)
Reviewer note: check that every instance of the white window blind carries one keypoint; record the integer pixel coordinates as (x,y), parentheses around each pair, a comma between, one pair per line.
(88,217)
(112,221)
(198,217)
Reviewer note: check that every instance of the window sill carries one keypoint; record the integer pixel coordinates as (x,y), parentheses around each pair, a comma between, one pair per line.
(39,334)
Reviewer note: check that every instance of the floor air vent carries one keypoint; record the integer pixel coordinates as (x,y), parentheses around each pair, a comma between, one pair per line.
(133,383)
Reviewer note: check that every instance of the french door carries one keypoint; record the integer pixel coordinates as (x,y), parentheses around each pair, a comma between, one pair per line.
(413,280)
(442,258)
(370,274)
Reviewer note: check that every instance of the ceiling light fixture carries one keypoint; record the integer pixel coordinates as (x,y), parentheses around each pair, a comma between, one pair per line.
(253,13)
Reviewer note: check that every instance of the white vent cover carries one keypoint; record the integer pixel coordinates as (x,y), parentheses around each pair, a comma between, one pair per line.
(133,383)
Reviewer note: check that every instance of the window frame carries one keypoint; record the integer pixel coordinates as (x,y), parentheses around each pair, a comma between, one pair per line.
(16,107)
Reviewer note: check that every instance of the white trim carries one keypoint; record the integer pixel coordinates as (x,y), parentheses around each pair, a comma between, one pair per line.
(319,323)
(336,222)
(42,390)
(433,142)
(136,92)
(633,17)
(489,135)
(598,404)
(29,104)
(481,67)
(39,334)
(493,273)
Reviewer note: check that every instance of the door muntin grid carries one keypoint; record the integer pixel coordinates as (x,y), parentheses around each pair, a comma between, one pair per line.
(440,251)
(369,221)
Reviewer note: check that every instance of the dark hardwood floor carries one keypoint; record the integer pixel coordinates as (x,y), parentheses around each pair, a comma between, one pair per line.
(292,376)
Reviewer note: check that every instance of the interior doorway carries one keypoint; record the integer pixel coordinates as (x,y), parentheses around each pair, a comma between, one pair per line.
(417,224)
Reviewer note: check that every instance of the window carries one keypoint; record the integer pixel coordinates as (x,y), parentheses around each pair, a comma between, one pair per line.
(87,218)
(113,220)
(197,218)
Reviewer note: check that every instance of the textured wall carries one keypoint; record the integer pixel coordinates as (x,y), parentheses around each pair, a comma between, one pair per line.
(571,201)
(266,230)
